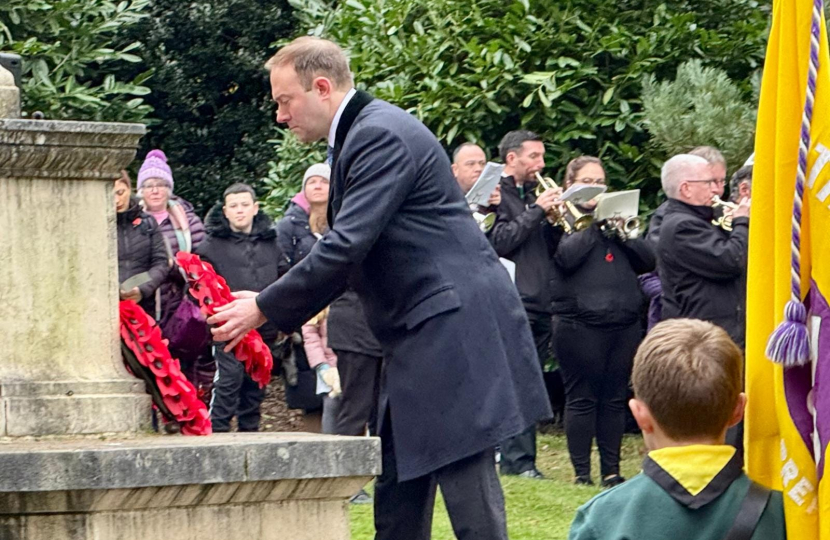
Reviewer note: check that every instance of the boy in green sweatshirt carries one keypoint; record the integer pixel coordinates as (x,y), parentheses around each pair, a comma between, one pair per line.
(687,385)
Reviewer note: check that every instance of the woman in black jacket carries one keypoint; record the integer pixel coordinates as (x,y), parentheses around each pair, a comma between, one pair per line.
(141,250)
(596,306)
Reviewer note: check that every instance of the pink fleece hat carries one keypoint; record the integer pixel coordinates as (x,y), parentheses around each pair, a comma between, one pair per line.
(155,166)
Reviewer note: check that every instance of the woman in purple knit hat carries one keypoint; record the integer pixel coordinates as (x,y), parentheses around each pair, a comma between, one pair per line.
(183,231)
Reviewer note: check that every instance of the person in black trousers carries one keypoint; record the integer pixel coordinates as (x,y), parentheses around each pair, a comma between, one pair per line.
(596,328)
(523,235)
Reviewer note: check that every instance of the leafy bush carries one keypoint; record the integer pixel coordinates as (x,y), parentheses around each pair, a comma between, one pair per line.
(69,59)
(571,70)
(701,106)
(213,115)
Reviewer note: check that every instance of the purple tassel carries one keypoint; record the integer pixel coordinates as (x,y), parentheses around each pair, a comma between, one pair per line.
(789,344)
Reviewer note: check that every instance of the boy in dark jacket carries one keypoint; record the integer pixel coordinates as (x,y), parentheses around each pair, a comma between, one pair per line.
(687,385)
(242,246)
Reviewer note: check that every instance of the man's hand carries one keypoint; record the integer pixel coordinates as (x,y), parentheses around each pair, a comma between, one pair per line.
(331,377)
(132,294)
(495,197)
(743,209)
(232,321)
(547,199)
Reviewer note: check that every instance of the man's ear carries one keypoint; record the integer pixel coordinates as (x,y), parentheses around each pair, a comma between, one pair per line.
(455,170)
(256,207)
(322,86)
(642,415)
(738,411)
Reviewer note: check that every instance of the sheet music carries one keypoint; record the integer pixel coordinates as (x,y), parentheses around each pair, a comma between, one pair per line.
(488,180)
(623,204)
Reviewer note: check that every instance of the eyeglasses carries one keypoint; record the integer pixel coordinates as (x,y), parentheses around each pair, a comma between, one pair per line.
(715,181)
(595,181)
(154,187)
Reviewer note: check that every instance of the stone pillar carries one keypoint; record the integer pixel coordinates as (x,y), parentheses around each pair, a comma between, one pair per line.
(60,364)
(9,95)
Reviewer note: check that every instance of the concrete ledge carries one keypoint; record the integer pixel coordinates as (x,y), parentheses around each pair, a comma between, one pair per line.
(153,461)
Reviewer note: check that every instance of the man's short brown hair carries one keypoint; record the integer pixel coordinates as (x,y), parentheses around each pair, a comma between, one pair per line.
(314,57)
(688,373)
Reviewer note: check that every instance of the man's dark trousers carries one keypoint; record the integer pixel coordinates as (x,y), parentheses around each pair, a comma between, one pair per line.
(360,381)
(234,393)
(470,487)
(518,454)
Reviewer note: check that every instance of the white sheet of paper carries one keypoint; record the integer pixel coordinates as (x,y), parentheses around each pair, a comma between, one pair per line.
(488,180)
(511,268)
(581,193)
(623,204)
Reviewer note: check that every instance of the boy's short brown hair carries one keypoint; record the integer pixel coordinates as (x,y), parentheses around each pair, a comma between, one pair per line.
(688,373)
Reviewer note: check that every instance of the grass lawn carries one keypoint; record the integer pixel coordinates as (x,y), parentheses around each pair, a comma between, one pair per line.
(536,509)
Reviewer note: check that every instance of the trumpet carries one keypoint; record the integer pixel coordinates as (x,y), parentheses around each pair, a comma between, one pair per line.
(556,215)
(725,221)
(625,228)
(485,222)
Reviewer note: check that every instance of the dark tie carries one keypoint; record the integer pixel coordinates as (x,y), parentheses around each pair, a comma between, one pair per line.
(330,156)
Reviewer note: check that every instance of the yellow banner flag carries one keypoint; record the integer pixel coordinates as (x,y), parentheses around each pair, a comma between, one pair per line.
(788,415)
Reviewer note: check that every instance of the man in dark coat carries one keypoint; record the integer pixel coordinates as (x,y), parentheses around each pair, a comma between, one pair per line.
(460,368)
(702,267)
(523,235)
(241,245)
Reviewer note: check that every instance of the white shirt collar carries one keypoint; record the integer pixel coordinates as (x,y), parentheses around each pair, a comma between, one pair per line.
(338,114)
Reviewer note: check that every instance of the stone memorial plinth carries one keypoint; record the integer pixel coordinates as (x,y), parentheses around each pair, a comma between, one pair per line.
(60,364)
(77,460)
(262,486)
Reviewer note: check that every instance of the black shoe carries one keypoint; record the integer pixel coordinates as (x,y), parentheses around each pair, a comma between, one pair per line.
(613,480)
(583,481)
(533,473)
(361,498)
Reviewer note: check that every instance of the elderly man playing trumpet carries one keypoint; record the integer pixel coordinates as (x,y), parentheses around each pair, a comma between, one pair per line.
(702,267)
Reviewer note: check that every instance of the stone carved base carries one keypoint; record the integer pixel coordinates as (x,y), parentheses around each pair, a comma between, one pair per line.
(39,409)
(223,487)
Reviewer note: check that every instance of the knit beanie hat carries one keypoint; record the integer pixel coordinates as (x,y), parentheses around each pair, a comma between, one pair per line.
(155,166)
(318,169)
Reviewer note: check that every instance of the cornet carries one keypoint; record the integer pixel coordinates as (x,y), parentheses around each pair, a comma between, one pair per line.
(626,228)
(557,216)
(485,222)
(725,221)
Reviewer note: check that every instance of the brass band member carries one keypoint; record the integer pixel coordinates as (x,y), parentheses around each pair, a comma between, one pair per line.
(523,235)
(596,328)
(468,162)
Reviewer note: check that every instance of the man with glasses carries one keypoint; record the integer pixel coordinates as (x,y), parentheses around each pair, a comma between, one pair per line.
(717,168)
(702,267)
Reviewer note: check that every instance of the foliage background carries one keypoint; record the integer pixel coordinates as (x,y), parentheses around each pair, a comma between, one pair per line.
(212,113)
(69,59)
(570,70)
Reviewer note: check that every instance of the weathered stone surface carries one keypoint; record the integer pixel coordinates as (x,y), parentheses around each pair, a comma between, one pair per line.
(9,95)
(152,461)
(76,413)
(283,520)
(69,150)
(59,285)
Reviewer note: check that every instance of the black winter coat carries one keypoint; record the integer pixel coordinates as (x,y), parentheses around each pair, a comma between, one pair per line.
(348,329)
(248,262)
(703,268)
(141,249)
(294,237)
(523,235)
(461,370)
(595,278)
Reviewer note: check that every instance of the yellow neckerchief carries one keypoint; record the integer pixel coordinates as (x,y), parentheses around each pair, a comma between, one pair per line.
(694,474)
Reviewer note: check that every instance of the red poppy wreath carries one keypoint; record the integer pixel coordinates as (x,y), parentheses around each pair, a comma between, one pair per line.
(148,357)
(211,290)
